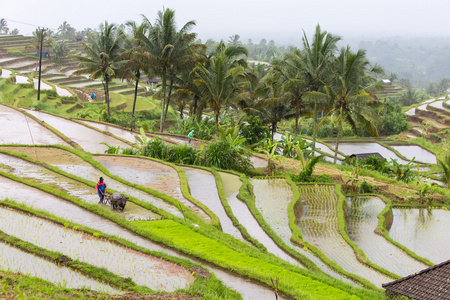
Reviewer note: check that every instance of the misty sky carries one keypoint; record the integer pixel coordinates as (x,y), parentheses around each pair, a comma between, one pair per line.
(280,20)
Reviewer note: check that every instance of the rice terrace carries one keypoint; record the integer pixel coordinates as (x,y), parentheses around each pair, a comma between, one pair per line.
(238,175)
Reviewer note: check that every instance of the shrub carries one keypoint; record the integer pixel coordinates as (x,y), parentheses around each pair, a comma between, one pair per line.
(226,154)
(156,149)
(254,131)
(366,188)
(184,154)
(51,93)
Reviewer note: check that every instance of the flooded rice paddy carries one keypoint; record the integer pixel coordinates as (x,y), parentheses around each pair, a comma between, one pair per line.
(272,199)
(411,111)
(122,133)
(425,232)
(89,139)
(361,224)
(36,173)
(62,92)
(40,200)
(25,130)
(421,154)
(152,174)
(354,148)
(319,225)
(44,86)
(21,79)
(231,186)
(15,260)
(5,73)
(144,269)
(202,185)
(438,104)
(74,165)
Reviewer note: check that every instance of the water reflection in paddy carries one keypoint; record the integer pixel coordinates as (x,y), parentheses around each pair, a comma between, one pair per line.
(421,154)
(361,224)
(40,200)
(319,225)
(88,139)
(15,260)
(272,199)
(426,232)
(122,133)
(21,79)
(152,174)
(203,187)
(354,148)
(231,186)
(74,165)
(144,269)
(5,73)
(25,130)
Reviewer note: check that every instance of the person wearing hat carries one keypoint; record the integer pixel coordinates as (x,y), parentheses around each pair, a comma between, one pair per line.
(190,135)
(101,189)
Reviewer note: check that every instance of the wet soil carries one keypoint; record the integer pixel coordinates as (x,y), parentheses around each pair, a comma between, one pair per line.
(152,174)
(275,213)
(231,186)
(88,139)
(361,225)
(25,130)
(203,188)
(319,226)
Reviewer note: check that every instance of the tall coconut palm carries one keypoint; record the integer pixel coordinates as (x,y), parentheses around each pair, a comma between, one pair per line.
(137,58)
(170,51)
(220,83)
(349,88)
(102,58)
(316,59)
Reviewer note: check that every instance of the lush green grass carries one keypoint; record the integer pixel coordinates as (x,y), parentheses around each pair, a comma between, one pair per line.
(293,283)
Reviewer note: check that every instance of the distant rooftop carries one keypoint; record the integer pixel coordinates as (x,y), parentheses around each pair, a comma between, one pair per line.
(429,284)
(362,156)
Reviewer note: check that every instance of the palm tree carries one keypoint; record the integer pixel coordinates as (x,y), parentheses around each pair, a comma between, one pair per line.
(316,58)
(102,58)
(35,42)
(3,26)
(137,58)
(220,83)
(274,105)
(170,51)
(66,31)
(349,89)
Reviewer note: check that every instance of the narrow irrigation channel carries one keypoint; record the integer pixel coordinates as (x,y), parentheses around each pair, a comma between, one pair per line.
(71,212)
(76,166)
(15,260)
(272,198)
(231,186)
(203,187)
(25,130)
(362,222)
(22,168)
(152,174)
(319,225)
(89,139)
(426,232)
(155,273)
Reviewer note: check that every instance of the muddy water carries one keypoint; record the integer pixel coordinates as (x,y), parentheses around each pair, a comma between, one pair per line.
(16,260)
(21,79)
(231,186)
(71,212)
(438,104)
(5,73)
(122,133)
(87,138)
(361,225)
(319,225)
(425,232)
(411,112)
(25,130)
(152,174)
(144,269)
(44,86)
(24,169)
(353,148)
(62,92)
(203,187)
(419,153)
(74,165)
(272,198)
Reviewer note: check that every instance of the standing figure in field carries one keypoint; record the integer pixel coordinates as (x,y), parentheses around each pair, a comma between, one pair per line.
(101,189)
(190,135)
